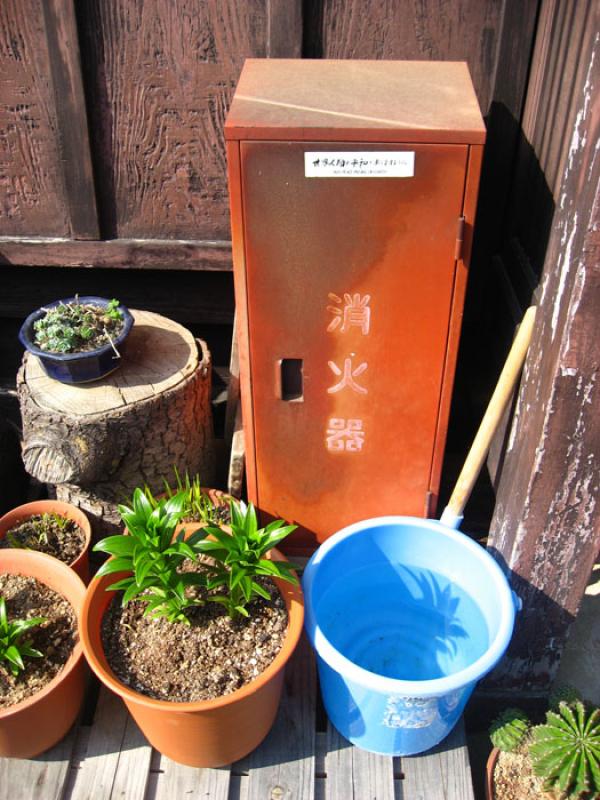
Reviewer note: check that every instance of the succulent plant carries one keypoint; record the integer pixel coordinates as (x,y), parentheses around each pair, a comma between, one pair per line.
(565,751)
(509,729)
(563,693)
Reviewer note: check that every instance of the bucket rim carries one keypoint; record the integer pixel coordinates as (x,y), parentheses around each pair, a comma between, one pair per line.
(435,687)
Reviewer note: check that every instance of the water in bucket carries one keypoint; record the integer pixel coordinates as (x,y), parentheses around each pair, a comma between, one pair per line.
(408,623)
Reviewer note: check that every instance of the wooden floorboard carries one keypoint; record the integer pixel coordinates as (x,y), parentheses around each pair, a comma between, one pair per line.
(111,760)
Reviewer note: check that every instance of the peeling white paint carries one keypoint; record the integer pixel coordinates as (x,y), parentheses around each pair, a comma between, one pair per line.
(578,141)
(563,269)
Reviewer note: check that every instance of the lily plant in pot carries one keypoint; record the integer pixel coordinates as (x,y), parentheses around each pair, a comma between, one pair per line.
(42,670)
(557,760)
(200,504)
(192,626)
(78,339)
(49,526)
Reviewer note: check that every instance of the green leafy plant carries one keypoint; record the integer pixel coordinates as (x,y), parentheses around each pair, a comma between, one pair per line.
(13,648)
(509,729)
(152,554)
(564,693)
(76,327)
(565,751)
(239,559)
(197,504)
(36,530)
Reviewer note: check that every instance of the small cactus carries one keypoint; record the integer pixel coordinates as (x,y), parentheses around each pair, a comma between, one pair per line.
(565,752)
(564,693)
(509,728)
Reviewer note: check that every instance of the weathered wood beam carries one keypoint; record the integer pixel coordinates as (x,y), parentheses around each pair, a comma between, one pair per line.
(73,142)
(546,526)
(117,253)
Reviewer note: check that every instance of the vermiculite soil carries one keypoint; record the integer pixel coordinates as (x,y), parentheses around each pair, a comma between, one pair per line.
(211,657)
(25,598)
(514,778)
(61,538)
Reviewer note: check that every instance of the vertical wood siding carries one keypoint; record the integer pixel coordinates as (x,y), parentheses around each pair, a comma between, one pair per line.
(32,193)
(161,76)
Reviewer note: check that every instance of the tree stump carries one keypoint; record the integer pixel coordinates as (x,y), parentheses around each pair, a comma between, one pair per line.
(96,442)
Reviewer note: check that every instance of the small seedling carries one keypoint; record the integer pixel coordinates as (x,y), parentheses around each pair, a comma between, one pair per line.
(12,646)
(239,559)
(77,327)
(509,729)
(198,507)
(152,554)
(565,751)
(35,531)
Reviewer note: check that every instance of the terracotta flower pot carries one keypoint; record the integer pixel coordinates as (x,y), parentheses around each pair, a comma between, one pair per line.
(40,721)
(17,515)
(206,733)
(490,794)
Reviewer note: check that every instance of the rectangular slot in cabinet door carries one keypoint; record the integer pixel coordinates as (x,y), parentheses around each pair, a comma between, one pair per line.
(357,274)
(290,380)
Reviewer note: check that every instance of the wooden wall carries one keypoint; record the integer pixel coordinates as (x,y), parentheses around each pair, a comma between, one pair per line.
(111,118)
(546,525)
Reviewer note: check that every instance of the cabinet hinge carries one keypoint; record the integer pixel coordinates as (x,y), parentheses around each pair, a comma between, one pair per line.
(460,234)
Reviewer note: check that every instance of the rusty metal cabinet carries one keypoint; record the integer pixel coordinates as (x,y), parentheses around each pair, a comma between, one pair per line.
(353,188)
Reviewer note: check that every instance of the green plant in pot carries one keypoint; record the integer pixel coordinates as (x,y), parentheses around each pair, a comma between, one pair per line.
(559,759)
(78,339)
(167,613)
(42,670)
(200,504)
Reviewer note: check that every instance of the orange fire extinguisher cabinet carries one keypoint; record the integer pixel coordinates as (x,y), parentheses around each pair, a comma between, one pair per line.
(353,187)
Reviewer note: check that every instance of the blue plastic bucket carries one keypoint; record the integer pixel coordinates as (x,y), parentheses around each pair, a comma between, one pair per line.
(405,615)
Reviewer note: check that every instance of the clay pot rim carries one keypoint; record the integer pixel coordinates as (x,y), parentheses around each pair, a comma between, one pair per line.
(294,603)
(489,773)
(27,510)
(72,589)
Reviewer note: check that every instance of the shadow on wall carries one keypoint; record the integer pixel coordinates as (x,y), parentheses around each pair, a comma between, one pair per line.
(540,623)
(514,219)
(579,664)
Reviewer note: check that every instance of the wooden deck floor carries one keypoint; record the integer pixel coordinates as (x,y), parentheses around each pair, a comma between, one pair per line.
(106,757)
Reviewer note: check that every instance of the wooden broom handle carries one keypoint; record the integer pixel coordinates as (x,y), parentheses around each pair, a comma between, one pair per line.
(493,415)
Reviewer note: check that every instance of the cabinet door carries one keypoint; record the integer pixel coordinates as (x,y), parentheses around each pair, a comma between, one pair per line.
(349,283)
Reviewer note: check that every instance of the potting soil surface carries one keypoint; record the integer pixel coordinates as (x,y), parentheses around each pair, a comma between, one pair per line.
(211,657)
(58,537)
(514,778)
(26,598)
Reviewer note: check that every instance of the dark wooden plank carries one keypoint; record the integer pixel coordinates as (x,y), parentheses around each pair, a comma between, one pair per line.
(32,198)
(442,773)
(465,30)
(74,147)
(203,298)
(117,254)
(162,76)
(284,764)
(284,28)
(44,777)
(546,526)
(508,85)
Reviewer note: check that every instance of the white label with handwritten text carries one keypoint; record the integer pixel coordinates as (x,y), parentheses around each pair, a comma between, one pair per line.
(385,164)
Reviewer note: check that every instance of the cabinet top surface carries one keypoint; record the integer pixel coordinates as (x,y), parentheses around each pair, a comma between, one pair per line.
(328,100)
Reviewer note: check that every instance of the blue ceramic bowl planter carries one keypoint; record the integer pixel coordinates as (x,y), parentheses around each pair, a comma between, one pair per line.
(405,615)
(82,367)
